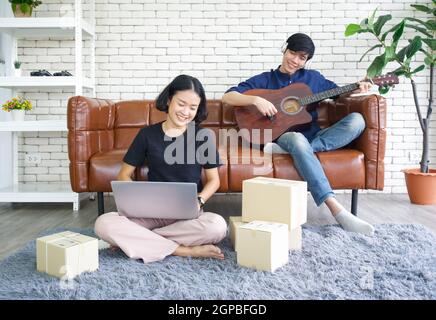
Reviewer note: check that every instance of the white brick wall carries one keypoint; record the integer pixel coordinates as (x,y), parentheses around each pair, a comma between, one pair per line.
(143,44)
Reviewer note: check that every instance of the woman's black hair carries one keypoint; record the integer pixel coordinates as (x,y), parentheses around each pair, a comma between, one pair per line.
(181,83)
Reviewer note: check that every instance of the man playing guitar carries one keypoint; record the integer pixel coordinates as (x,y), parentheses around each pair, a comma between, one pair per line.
(302,143)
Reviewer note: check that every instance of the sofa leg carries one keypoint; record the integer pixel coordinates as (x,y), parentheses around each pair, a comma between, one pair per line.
(354,194)
(100,200)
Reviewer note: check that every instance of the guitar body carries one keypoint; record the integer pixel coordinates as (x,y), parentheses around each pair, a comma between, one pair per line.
(290,103)
(290,113)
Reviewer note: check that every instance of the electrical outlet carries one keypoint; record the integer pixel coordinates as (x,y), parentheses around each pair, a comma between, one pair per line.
(32,158)
(414,156)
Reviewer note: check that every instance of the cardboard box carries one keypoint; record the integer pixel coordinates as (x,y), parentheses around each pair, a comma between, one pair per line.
(296,238)
(277,200)
(234,223)
(262,245)
(66,254)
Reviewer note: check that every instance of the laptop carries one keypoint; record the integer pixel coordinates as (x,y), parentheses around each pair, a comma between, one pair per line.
(157,200)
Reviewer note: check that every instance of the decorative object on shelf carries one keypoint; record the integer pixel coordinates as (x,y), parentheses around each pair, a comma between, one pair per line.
(17,68)
(23,8)
(63,73)
(423,42)
(40,73)
(17,106)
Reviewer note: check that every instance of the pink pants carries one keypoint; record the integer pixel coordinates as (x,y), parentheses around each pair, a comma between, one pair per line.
(154,239)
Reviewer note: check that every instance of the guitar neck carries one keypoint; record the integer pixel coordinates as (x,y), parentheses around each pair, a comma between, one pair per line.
(328,94)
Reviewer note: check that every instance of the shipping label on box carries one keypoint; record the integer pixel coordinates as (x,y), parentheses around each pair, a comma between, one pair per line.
(262,245)
(277,200)
(66,254)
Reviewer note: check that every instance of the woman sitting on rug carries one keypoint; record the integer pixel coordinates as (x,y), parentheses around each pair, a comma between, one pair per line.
(184,101)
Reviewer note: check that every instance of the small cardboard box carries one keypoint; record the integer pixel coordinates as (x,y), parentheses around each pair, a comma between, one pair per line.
(234,223)
(66,254)
(262,245)
(278,200)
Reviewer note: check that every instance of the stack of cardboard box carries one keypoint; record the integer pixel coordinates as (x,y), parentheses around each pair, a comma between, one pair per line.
(273,211)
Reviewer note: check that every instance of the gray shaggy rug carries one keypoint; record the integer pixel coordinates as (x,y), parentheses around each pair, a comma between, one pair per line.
(398,262)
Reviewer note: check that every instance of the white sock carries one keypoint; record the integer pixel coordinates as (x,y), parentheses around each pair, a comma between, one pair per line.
(351,223)
(103,245)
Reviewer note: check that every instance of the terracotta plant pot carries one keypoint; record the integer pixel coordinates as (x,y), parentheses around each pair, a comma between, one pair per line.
(421,186)
(18,12)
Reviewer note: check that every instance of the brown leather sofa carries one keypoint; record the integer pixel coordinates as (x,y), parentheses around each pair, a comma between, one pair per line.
(100,131)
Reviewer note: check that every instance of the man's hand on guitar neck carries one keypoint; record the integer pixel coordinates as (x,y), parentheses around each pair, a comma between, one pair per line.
(364,86)
(265,107)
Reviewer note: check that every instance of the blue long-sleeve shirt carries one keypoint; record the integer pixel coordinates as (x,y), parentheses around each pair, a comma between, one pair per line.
(275,79)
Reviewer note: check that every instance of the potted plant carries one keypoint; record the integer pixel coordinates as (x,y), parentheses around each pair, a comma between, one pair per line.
(23,8)
(17,106)
(17,70)
(420,182)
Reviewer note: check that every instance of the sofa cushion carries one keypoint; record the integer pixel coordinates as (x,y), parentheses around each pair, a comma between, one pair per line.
(344,168)
(103,168)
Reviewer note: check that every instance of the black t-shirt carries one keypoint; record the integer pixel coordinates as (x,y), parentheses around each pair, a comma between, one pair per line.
(178,159)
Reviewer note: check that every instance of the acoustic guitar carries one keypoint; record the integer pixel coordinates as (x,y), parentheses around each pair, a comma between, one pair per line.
(291,103)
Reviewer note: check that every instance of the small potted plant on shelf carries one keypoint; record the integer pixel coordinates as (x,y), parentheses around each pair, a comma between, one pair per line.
(420,182)
(17,68)
(23,8)
(17,106)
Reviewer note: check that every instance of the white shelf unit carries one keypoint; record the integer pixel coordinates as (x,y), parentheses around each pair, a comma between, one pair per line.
(22,83)
(41,28)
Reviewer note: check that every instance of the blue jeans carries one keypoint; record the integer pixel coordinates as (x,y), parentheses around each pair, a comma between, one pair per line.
(303,151)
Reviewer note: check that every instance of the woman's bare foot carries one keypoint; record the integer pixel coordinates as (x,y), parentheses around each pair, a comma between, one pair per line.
(204,251)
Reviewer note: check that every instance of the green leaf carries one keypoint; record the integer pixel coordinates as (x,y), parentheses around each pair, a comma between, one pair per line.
(391,30)
(428,61)
(374,47)
(420,68)
(25,8)
(407,62)
(371,20)
(422,30)
(383,90)
(413,47)
(381,21)
(376,67)
(422,8)
(402,53)
(431,43)
(364,23)
(398,33)
(389,54)
(419,21)
(351,29)
(431,24)
(399,72)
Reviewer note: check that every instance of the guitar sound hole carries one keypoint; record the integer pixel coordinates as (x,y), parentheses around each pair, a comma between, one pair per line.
(291,106)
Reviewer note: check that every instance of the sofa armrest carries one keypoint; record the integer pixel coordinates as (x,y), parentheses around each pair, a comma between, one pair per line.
(90,130)
(372,142)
